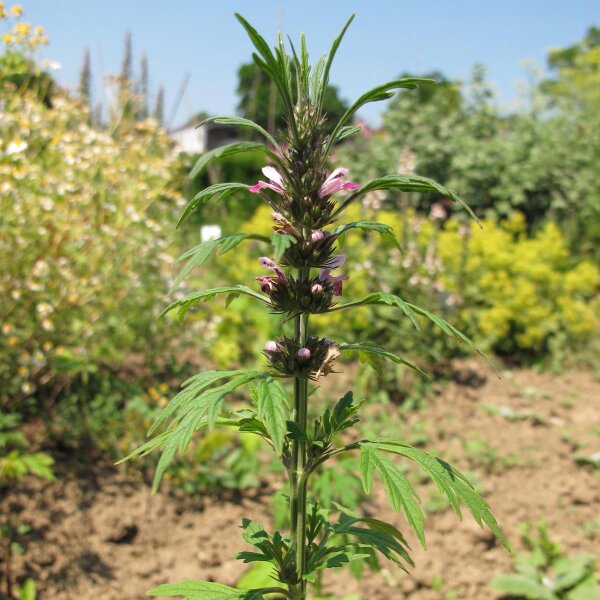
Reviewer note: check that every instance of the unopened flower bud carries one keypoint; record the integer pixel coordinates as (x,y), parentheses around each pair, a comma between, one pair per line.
(272,347)
(316,236)
(304,354)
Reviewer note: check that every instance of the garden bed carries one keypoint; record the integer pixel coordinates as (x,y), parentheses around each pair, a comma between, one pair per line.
(98,533)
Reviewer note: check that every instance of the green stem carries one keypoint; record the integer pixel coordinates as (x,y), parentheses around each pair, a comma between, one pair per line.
(298,474)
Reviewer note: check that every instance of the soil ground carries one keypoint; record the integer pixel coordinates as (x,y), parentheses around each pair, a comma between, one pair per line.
(98,534)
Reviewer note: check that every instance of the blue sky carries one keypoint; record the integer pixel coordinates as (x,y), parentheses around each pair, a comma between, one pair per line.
(387,37)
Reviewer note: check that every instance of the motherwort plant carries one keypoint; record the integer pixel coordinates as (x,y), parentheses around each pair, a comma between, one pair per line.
(304,276)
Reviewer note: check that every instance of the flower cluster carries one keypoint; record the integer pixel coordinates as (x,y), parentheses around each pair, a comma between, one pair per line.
(312,246)
(313,360)
(293,295)
(305,200)
(303,207)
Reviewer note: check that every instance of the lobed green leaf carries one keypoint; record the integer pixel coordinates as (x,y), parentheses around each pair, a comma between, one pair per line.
(408,183)
(453,484)
(231,150)
(346,132)
(195,407)
(400,492)
(281,242)
(381,92)
(377,535)
(412,311)
(242,122)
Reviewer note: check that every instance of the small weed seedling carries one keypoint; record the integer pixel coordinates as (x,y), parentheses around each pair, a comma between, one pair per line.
(301,278)
(545,573)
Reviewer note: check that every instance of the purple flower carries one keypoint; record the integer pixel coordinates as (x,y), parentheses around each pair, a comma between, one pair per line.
(275,182)
(336,281)
(304,354)
(334,183)
(335,262)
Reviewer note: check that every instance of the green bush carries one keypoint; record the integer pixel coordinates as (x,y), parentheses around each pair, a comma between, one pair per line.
(85,264)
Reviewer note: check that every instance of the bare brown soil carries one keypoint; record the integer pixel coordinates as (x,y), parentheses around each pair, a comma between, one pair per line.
(101,535)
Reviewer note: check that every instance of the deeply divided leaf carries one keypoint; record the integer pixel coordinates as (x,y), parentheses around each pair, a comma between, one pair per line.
(451,483)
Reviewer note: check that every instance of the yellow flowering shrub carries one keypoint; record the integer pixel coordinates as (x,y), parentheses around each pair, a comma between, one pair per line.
(517,292)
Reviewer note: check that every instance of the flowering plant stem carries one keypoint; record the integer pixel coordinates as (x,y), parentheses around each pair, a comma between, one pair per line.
(300,282)
(298,475)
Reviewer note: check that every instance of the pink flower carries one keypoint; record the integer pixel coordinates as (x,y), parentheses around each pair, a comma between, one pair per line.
(267,282)
(334,183)
(336,281)
(270,264)
(275,182)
